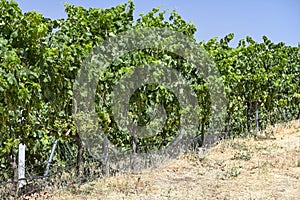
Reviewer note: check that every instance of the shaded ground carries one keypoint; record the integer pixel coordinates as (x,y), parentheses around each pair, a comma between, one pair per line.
(265,167)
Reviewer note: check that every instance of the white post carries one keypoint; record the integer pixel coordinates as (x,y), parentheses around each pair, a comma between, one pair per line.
(51,157)
(106,155)
(21,165)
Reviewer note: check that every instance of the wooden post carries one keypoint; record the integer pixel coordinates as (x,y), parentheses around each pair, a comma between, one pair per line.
(256,117)
(249,116)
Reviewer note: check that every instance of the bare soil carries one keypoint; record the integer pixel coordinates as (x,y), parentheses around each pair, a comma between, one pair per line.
(263,167)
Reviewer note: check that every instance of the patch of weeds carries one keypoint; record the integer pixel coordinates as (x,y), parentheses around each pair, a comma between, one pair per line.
(263,167)
(87,191)
(265,137)
(201,173)
(73,188)
(261,148)
(239,146)
(265,134)
(195,160)
(242,155)
(92,184)
(232,172)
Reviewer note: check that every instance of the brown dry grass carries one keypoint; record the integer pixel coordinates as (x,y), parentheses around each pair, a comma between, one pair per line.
(265,167)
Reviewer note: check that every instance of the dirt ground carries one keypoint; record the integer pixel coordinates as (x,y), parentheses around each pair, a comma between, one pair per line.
(262,167)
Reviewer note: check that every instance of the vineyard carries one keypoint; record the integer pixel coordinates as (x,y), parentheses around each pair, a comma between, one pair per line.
(41,58)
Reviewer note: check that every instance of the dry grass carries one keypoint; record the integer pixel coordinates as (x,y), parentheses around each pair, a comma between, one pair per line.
(265,167)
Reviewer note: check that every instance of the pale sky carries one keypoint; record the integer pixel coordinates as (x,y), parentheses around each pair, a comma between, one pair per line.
(279,20)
